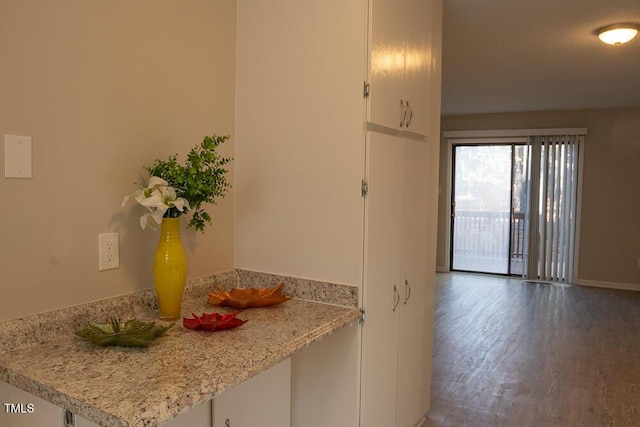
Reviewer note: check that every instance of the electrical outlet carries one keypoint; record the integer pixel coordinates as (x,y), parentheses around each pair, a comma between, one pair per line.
(108,251)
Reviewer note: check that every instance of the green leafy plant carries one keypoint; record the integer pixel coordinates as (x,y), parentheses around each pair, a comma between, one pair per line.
(174,189)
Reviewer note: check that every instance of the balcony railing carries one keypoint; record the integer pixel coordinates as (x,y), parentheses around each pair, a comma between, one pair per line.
(487,241)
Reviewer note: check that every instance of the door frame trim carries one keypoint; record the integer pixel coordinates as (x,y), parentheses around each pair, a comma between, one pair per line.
(448,184)
(501,133)
(508,136)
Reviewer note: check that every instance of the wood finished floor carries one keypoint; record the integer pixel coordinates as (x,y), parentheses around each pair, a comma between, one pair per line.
(509,353)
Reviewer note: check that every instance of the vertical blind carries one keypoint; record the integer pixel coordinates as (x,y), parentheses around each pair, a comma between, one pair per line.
(553,180)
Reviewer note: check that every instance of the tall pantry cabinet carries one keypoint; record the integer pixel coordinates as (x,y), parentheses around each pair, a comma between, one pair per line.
(334,98)
(396,352)
(403,114)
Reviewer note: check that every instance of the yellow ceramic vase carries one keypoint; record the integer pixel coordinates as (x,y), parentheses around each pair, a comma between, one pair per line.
(170,270)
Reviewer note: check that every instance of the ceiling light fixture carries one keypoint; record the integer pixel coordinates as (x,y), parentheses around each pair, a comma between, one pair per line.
(617,34)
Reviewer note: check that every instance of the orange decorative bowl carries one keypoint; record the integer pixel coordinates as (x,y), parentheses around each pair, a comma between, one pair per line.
(249,297)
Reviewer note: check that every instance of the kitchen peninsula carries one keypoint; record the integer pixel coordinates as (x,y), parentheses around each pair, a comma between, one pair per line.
(118,386)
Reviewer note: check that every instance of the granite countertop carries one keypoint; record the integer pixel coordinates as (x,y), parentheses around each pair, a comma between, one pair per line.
(118,386)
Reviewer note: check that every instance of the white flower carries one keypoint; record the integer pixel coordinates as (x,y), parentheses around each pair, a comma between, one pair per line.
(145,191)
(158,197)
(171,199)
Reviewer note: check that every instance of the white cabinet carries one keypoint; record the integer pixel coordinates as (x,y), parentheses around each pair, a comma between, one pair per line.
(414,356)
(82,422)
(22,409)
(263,400)
(382,289)
(394,360)
(400,64)
(325,387)
(200,416)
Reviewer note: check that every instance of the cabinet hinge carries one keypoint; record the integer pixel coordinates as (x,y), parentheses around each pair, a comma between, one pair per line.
(364,188)
(366,89)
(362,316)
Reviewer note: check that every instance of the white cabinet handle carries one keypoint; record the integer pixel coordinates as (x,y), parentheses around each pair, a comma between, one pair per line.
(396,297)
(406,113)
(407,291)
(403,112)
(69,419)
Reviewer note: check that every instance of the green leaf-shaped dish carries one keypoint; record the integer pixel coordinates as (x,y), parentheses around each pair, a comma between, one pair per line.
(133,333)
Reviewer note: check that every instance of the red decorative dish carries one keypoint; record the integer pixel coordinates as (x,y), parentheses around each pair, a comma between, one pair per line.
(213,321)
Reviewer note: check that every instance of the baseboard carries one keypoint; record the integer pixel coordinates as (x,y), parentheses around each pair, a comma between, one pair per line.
(441,269)
(609,285)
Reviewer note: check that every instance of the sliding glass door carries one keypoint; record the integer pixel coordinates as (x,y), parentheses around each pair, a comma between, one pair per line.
(488,208)
(515,202)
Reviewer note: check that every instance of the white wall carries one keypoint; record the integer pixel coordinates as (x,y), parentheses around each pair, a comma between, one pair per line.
(105,88)
(300,148)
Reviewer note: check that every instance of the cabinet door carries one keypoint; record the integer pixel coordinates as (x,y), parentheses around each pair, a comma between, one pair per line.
(412,360)
(22,409)
(381,292)
(400,64)
(417,76)
(200,416)
(263,400)
(386,61)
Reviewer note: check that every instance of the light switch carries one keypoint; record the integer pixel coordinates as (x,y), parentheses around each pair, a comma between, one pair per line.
(17,156)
